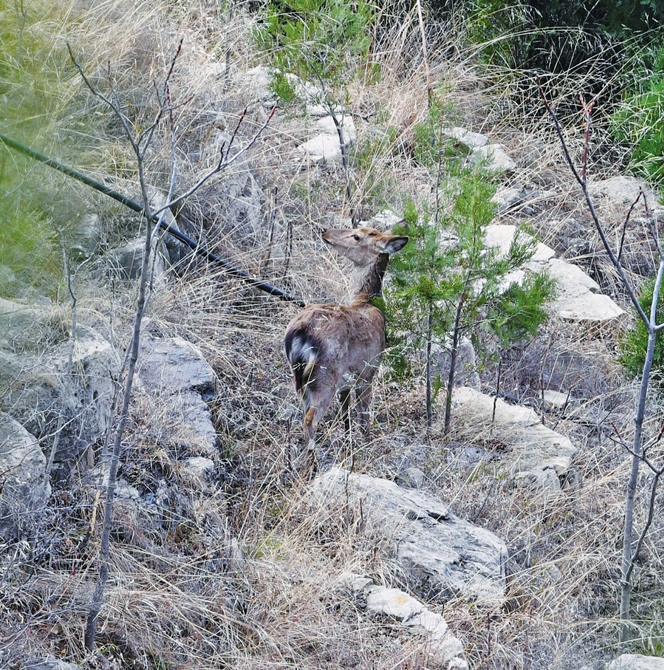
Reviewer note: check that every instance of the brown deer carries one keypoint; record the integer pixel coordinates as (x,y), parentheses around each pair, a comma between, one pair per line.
(333,348)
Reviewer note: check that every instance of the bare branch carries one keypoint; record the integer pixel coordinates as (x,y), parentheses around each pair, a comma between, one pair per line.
(223,163)
(593,212)
(646,527)
(629,213)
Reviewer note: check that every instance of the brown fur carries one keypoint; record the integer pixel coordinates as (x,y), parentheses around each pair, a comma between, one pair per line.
(334,348)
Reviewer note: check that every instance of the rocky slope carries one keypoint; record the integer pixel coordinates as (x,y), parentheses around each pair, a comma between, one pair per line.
(496,546)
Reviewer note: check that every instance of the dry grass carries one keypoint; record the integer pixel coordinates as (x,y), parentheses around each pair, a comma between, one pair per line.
(236,571)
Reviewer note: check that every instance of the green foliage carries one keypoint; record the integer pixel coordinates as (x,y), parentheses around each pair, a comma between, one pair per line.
(639,122)
(317,40)
(634,342)
(431,144)
(446,280)
(37,109)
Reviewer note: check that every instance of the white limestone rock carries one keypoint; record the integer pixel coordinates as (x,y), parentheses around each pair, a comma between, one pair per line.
(623,190)
(325,145)
(470,139)
(534,455)
(24,488)
(495,158)
(38,389)
(176,371)
(578,297)
(636,662)
(443,647)
(442,556)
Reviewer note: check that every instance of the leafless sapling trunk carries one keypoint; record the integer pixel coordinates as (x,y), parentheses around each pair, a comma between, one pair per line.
(638,449)
(140,143)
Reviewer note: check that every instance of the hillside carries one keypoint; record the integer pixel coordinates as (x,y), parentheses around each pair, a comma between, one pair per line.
(495,545)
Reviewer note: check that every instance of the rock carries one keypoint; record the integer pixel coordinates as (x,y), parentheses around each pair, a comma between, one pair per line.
(623,190)
(411,478)
(176,371)
(385,220)
(442,555)
(199,465)
(257,80)
(49,664)
(636,662)
(494,157)
(86,236)
(230,206)
(24,488)
(445,649)
(503,235)
(325,146)
(535,454)
(555,399)
(471,140)
(35,385)
(127,260)
(577,296)
(466,364)
(511,197)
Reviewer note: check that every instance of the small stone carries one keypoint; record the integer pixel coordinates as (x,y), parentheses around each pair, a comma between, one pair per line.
(199,465)
(412,478)
(495,158)
(470,139)
(636,662)
(555,399)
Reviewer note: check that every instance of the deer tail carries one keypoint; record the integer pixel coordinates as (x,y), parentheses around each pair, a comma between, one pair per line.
(303,352)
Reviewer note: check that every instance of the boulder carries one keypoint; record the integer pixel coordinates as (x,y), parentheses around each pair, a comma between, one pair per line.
(176,371)
(622,190)
(86,236)
(494,157)
(442,556)
(49,664)
(24,487)
(470,139)
(532,453)
(325,145)
(38,387)
(445,650)
(577,296)
(636,662)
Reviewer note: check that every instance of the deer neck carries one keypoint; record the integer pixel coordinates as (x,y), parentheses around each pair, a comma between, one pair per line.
(367,281)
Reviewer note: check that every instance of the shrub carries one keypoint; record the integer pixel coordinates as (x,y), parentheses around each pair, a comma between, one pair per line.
(635,341)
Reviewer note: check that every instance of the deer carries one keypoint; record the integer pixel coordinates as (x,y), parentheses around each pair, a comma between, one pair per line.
(334,348)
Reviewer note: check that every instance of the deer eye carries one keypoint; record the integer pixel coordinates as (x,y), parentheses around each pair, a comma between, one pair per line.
(356,237)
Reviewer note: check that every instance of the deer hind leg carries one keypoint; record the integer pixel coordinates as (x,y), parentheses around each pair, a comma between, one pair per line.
(364,393)
(344,398)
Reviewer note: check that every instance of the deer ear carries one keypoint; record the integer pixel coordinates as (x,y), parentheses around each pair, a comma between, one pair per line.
(397,243)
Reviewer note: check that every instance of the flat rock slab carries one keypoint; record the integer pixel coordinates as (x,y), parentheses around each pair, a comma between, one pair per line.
(177,371)
(325,146)
(444,648)
(37,385)
(443,556)
(623,190)
(24,488)
(636,662)
(532,452)
(578,297)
